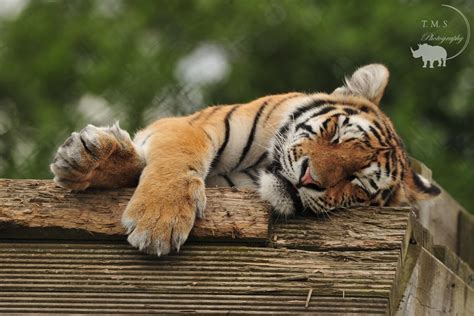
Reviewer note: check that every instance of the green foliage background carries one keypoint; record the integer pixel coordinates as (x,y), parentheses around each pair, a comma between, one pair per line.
(64,64)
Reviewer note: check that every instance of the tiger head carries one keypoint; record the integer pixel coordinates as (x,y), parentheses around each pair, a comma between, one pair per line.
(341,150)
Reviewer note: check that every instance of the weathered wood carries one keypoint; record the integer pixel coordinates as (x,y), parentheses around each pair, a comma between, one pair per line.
(114,277)
(454,263)
(230,214)
(359,261)
(365,228)
(40,205)
(433,289)
(465,248)
(419,253)
(447,221)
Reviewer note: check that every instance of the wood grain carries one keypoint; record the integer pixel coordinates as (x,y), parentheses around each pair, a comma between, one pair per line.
(47,209)
(364,228)
(114,277)
(433,289)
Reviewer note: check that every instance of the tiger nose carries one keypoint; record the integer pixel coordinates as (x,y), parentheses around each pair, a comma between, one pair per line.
(307,178)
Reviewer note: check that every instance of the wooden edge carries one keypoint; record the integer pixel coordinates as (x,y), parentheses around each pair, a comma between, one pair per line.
(39,208)
(450,224)
(358,228)
(418,239)
(465,246)
(454,263)
(431,288)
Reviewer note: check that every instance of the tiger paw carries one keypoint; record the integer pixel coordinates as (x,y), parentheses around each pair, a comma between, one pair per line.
(78,160)
(159,217)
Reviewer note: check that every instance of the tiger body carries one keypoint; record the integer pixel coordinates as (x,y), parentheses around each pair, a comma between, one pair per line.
(300,151)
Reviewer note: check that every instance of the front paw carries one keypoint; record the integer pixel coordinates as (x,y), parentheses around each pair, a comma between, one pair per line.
(101,157)
(161,214)
(81,154)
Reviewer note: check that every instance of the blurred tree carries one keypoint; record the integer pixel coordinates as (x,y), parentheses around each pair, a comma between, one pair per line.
(67,63)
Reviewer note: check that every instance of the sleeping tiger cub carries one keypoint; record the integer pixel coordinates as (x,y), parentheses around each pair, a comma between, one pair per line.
(301,151)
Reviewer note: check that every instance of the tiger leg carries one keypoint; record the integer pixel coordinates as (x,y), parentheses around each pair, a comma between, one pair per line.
(97,157)
(171,192)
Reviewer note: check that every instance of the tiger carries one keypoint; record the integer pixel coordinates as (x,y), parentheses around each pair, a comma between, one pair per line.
(299,151)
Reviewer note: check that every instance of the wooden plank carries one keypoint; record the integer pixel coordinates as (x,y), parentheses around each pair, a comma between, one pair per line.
(433,289)
(202,278)
(440,217)
(465,247)
(365,228)
(230,214)
(455,264)
(69,302)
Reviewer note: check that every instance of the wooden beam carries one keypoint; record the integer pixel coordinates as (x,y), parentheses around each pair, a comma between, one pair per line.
(433,289)
(361,228)
(42,208)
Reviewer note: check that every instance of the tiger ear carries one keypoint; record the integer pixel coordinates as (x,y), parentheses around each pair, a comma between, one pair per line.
(367,81)
(419,188)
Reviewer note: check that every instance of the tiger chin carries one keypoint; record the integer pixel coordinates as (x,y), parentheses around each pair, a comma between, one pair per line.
(300,151)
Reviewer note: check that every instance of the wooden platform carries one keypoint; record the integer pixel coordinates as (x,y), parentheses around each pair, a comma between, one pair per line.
(357,261)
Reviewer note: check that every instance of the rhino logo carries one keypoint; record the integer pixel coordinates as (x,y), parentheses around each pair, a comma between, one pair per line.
(430,54)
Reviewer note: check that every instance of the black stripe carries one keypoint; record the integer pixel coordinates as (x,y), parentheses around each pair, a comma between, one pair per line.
(346,120)
(228,180)
(208,114)
(300,111)
(322,111)
(387,163)
(267,117)
(350,111)
(378,173)
(326,123)
(251,135)
(251,176)
(382,130)
(395,169)
(402,174)
(216,159)
(373,184)
(262,158)
(361,129)
(305,127)
(377,135)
